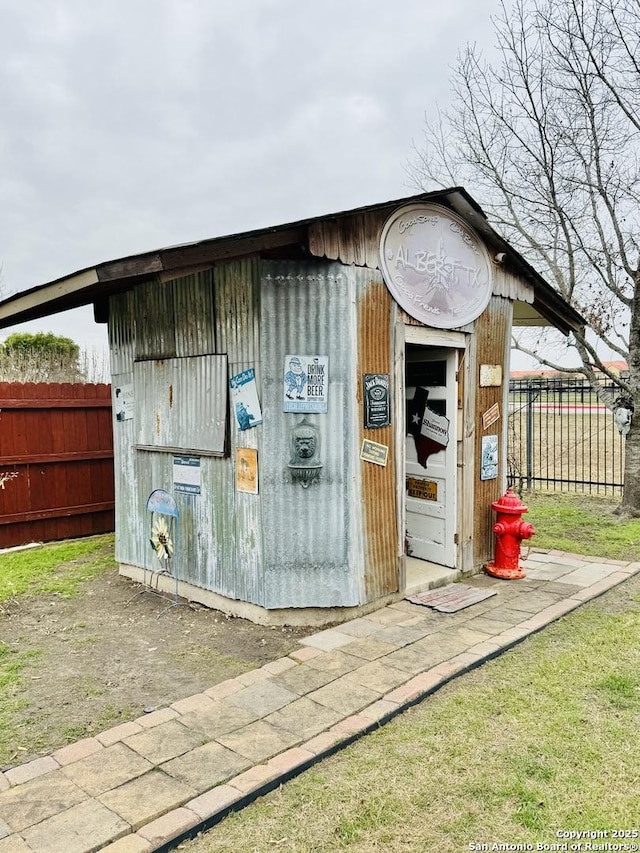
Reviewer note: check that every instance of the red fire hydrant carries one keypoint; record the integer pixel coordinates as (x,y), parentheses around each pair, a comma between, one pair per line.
(510,530)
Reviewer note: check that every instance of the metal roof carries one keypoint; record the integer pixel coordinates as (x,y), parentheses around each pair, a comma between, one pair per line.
(94,283)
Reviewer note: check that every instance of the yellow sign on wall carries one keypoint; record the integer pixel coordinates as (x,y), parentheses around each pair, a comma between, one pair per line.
(425,490)
(247,470)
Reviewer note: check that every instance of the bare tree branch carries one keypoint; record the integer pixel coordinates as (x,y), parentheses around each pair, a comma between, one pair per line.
(549,138)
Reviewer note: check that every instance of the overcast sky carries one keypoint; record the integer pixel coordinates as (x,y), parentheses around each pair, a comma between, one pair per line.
(127,126)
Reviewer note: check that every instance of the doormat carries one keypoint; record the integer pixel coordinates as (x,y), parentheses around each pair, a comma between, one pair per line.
(449,599)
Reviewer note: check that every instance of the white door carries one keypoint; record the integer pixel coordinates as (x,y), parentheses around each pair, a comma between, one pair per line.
(430,488)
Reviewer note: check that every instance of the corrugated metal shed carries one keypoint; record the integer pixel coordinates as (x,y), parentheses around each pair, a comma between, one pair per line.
(186,319)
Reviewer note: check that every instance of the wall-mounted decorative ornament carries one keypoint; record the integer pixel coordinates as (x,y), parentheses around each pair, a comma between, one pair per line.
(435,265)
(622,414)
(430,430)
(305,464)
(161,539)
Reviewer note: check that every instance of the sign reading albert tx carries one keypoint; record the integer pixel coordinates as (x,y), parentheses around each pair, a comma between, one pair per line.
(435,266)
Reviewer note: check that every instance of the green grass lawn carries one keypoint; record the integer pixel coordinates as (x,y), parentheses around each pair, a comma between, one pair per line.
(582,524)
(59,567)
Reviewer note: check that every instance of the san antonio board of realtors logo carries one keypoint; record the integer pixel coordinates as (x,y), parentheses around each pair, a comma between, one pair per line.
(435,266)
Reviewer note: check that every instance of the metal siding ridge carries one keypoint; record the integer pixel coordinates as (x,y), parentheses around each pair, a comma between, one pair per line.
(506,284)
(155,321)
(239,516)
(194,314)
(122,332)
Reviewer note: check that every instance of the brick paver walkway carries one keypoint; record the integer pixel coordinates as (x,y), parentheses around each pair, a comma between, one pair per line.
(140,785)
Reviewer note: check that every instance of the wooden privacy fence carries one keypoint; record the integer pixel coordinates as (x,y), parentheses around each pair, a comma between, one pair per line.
(56,461)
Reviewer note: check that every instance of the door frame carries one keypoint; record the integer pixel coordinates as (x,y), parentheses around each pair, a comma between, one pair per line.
(423,336)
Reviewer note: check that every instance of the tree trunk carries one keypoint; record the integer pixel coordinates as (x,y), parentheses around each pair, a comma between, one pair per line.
(631,496)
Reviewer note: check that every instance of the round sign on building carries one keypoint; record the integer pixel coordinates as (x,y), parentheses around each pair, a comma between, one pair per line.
(435,266)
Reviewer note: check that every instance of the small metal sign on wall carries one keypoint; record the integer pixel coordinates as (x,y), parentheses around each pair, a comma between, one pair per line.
(186,474)
(247,470)
(306,384)
(123,401)
(371,451)
(425,490)
(377,409)
(244,398)
(489,460)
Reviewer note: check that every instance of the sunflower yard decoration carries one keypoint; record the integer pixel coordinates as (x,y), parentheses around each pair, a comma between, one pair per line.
(161,539)
(164,515)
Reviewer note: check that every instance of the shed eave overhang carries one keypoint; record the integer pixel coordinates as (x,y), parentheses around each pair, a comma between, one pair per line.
(92,284)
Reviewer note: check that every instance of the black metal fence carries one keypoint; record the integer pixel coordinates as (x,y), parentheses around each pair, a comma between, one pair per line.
(561,437)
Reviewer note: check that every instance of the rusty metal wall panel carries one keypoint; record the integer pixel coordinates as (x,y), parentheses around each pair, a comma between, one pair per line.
(155,320)
(373,224)
(350,239)
(492,340)
(127,509)
(207,525)
(177,315)
(309,534)
(122,338)
(199,536)
(379,511)
(237,301)
(194,314)
(122,330)
(510,286)
(182,403)
(467,387)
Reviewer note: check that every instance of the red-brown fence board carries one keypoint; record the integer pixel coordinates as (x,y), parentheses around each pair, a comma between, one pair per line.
(58,438)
